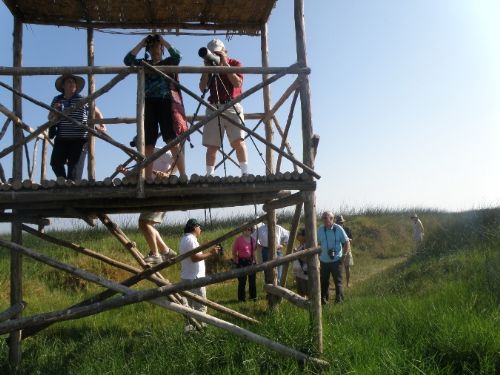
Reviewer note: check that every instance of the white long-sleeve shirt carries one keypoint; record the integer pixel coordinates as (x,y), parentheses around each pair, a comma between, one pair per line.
(260,235)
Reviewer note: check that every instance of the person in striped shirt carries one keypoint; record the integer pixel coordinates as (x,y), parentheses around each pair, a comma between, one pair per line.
(69,137)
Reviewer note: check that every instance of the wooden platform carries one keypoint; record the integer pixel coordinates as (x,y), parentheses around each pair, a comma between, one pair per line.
(84,198)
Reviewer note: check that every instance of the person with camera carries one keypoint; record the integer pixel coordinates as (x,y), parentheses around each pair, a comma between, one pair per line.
(194,266)
(244,256)
(164,107)
(334,242)
(70,139)
(223,88)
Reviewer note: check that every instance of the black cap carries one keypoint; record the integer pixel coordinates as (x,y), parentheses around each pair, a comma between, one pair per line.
(190,225)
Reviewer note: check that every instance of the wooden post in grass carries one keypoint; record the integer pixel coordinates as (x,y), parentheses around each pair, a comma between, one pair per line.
(12,311)
(16,265)
(309,197)
(289,246)
(137,296)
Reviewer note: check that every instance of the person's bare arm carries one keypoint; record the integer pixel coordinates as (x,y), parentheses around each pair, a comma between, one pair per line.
(234,78)
(198,257)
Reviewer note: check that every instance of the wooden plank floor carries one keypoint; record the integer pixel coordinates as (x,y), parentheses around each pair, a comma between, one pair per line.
(83,198)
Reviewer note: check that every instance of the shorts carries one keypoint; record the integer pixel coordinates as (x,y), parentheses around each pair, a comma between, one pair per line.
(158,111)
(155,217)
(212,135)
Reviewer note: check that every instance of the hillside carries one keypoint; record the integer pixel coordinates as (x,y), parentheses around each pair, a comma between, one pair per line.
(435,312)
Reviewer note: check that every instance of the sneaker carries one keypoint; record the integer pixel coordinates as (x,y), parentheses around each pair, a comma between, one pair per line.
(189,328)
(153,259)
(169,254)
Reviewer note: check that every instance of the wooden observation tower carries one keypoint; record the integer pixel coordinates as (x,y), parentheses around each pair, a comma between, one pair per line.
(28,200)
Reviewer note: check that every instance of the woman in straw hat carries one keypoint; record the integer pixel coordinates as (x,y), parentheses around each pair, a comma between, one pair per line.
(70,138)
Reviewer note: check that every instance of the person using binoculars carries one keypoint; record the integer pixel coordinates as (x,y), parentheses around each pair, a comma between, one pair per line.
(223,88)
(163,103)
(334,242)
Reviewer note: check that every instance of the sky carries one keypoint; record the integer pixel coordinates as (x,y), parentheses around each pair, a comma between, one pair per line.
(404,96)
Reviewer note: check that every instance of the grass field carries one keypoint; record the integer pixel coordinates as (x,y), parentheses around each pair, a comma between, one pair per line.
(436,312)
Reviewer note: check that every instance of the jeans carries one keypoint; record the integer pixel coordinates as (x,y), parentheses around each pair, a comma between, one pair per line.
(334,269)
(242,281)
(265,258)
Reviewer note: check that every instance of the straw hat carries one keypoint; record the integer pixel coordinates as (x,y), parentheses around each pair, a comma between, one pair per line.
(339,219)
(80,82)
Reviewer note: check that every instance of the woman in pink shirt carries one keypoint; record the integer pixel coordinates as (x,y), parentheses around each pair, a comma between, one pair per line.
(243,256)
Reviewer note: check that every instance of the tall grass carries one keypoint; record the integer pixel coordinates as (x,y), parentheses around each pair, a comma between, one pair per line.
(435,312)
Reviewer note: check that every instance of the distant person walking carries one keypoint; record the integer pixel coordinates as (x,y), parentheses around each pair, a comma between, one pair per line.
(348,261)
(418,232)
(334,242)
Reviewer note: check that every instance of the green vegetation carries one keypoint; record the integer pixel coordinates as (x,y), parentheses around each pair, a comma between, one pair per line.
(436,312)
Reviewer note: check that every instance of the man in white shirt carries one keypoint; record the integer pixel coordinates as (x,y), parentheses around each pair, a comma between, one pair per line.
(194,266)
(262,240)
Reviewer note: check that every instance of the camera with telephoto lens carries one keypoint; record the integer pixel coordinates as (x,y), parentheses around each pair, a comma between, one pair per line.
(208,56)
(151,39)
(331,253)
(221,249)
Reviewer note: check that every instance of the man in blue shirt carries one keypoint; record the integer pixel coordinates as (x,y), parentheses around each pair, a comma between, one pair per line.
(334,242)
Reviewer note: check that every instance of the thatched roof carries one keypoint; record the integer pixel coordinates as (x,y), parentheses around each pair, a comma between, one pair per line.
(232,16)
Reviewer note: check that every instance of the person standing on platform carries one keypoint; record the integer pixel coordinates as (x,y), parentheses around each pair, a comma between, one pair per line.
(69,137)
(223,88)
(163,106)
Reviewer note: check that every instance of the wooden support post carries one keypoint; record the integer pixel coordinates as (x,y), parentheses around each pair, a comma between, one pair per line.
(12,311)
(271,275)
(91,90)
(112,262)
(290,296)
(266,91)
(137,296)
(284,134)
(140,130)
(188,312)
(309,197)
(16,265)
(293,234)
(43,166)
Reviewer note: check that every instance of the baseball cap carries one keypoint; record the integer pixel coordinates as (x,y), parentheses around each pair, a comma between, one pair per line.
(193,223)
(216,45)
